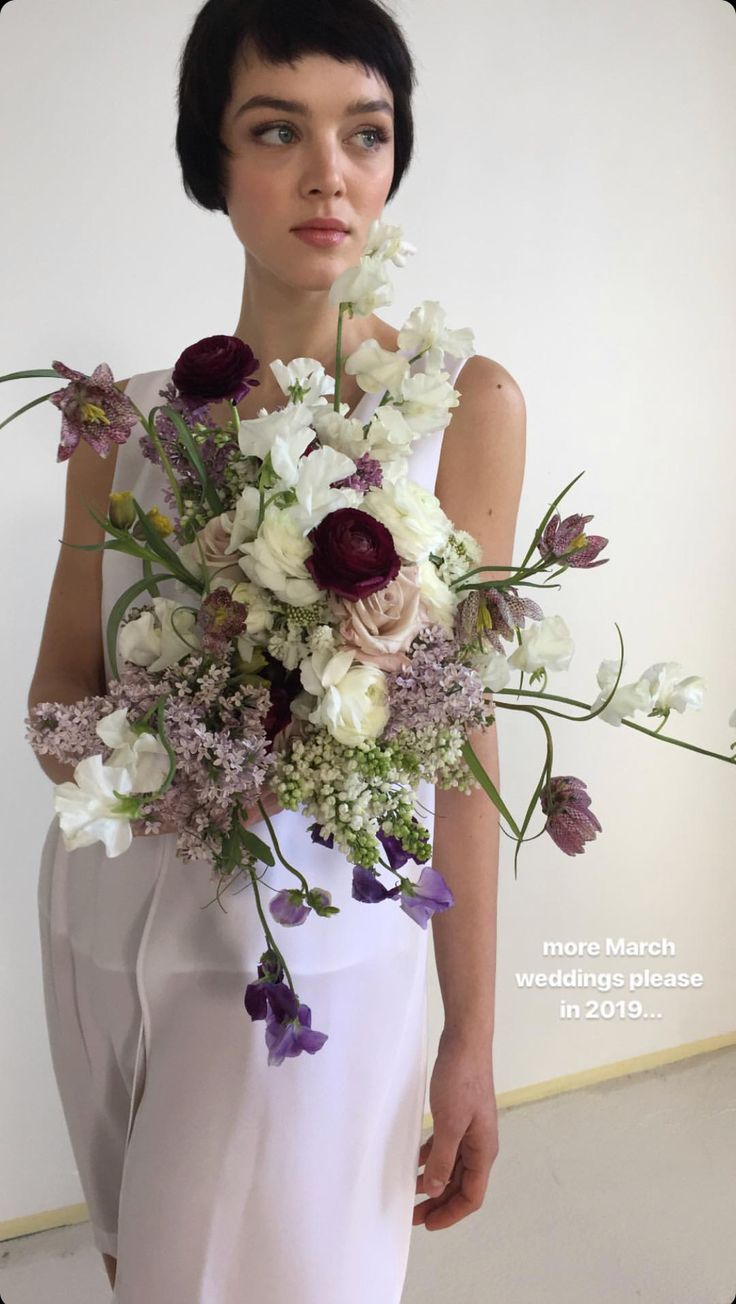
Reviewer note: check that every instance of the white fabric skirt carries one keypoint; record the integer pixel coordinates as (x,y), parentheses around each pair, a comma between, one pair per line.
(213,1177)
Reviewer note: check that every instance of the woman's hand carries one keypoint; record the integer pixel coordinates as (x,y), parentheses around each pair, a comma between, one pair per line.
(270,804)
(461,1150)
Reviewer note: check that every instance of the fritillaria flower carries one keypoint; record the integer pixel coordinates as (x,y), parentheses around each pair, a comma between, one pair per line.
(570,822)
(560,537)
(220,620)
(92,408)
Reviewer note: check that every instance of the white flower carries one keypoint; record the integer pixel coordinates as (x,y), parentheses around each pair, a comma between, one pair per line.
(88,809)
(244,524)
(389,434)
(387,242)
(340,432)
(152,640)
(352,699)
(669,691)
(427,397)
(413,515)
(315,497)
(377,369)
(494,670)
(284,433)
(627,699)
(462,553)
(288,647)
(322,638)
(544,645)
(307,373)
(143,754)
(439,600)
(365,287)
(425,331)
(276,557)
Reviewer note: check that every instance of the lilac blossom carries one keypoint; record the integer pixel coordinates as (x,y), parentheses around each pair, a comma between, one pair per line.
(435,688)
(368,474)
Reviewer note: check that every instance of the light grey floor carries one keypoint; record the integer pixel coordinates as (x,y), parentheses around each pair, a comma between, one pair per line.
(613,1194)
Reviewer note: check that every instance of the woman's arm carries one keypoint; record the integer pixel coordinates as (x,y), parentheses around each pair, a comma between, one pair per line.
(479,486)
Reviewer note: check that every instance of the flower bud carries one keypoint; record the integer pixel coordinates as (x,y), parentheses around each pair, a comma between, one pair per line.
(121,510)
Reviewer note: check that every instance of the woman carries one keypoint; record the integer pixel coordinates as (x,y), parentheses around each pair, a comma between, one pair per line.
(211,1178)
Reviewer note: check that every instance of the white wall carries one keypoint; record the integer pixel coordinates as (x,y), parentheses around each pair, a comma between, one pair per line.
(572,200)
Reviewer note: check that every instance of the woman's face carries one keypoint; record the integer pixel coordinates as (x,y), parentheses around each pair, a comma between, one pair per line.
(327,159)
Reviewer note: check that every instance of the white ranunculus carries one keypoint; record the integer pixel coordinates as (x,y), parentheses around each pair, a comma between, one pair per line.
(276,557)
(307,373)
(544,645)
(88,809)
(425,331)
(352,698)
(438,598)
(151,640)
(143,754)
(315,497)
(413,515)
(244,524)
(377,369)
(365,287)
(672,692)
(627,699)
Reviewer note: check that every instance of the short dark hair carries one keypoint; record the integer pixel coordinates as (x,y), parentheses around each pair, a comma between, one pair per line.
(280,31)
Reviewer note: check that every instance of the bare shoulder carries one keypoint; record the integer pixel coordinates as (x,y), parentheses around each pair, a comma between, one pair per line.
(481,470)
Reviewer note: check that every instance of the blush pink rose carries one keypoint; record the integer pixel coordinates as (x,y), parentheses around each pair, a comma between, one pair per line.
(214,539)
(381,626)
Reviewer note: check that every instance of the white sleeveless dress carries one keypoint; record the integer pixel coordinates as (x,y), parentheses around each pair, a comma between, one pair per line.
(213,1177)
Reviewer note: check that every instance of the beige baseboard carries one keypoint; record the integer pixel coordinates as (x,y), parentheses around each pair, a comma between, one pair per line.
(71,1214)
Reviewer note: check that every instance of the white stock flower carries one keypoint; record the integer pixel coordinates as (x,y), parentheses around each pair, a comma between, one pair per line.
(546,644)
(627,699)
(462,553)
(365,287)
(88,809)
(276,557)
(151,640)
(352,699)
(413,515)
(439,600)
(669,691)
(425,331)
(377,369)
(315,497)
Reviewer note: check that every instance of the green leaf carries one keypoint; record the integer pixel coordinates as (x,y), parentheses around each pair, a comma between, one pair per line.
(476,768)
(257,846)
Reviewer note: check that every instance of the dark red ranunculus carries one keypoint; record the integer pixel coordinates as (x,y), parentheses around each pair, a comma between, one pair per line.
(353,554)
(217,367)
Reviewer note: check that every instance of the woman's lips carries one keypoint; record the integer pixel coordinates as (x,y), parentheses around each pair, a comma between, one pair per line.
(320,235)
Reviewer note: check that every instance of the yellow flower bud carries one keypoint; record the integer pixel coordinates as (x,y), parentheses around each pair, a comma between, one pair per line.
(160,522)
(121,510)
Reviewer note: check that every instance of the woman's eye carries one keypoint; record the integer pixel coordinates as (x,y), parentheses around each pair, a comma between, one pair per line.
(379,134)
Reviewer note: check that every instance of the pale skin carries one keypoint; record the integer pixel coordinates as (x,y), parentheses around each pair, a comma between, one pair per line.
(330,162)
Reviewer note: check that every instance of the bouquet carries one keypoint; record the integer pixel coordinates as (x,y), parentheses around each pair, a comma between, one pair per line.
(333,638)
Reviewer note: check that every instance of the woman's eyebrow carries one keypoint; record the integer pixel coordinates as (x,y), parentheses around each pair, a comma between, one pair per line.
(296,106)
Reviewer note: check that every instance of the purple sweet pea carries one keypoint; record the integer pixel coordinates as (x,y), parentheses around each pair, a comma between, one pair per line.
(288,907)
(368,887)
(290,1036)
(396,853)
(429,894)
(315,830)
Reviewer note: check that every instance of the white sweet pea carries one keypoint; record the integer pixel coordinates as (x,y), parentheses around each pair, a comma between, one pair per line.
(494,670)
(88,809)
(309,375)
(545,645)
(152,640)
(387,242)
(627,699)
(438,598)
(314,496)
(425,331)
(413,515)
(389,434)
(377,369)
(669,691)
(143,754)
(427,398)
(276,557)
(284,433)
(340,432)
(352,699)
(365,287)
(244,525)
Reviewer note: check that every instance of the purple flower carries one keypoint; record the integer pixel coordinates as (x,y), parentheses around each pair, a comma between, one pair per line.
(288,907)
(316,834)
(396,854)
(368,474)
(560,537)
(216,367)
(429,894)
(570,823)
(220,620)
(92,408)
(291,1034)
(506,612)
(368,887)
